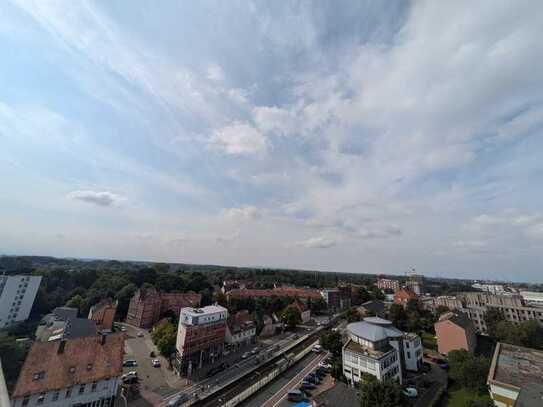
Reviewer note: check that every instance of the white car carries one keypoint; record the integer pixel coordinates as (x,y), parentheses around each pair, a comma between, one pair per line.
(317,348)
(140,334)
(245,355)
(155,362)
(325,365)
(410,392)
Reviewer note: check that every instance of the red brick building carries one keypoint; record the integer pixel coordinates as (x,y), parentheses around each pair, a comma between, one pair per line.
(201,336)
(388,284)
(103,314)
(290,292)
(455,331)
(403,295)
(148,305)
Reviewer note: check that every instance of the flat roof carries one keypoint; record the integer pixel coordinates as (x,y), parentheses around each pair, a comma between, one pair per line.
(210,309)
(516,366)
(355,347)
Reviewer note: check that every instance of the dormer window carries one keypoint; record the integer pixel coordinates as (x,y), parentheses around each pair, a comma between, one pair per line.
(89,366)
(71,369)
(39,375)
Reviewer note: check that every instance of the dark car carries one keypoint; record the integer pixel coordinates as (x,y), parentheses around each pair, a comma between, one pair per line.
(444,365)
(307,385)
(321,373)
(311,377)
(217,369)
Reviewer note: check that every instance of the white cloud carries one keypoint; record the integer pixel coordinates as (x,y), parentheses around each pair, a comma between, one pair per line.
(215,73)
(227,239)
(99,198)
(239,139)
(317,243)
(247,212)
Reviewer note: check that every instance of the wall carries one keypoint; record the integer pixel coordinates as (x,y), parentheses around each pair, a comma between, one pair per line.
(8,294)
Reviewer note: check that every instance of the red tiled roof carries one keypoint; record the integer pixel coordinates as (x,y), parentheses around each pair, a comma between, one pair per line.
(298,305)
(92,362)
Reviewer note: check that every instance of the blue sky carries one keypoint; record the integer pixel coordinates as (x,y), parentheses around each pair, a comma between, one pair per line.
(352,136)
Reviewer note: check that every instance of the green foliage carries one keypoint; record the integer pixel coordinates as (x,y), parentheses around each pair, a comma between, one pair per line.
(164,336)
(525,333)
(12,355)
(331,341)
(492,317)
(467,370)
(292,317)
(353,315)
(374,393)
(398,316)
(317,306)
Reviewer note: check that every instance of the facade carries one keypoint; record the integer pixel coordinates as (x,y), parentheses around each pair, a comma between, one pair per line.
(377,348)
(17,294)
(532,297)
(337,299)
(403,296)
(516,376)
(512,306)
(455,331)
(148,305)
(200,337)
(63,323)
(103,314)
(83,372)
(240,329)
(388,284)
(490,288)
(415,282)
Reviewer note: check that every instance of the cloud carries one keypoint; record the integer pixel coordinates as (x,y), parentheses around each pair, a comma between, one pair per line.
(227,239)
(239,139)
(99,198)
(317,243)
(247,212)
(215,73)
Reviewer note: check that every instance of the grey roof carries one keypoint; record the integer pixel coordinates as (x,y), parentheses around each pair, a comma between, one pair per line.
(378,321)
(530,395)
(65,312)
(80,327)
(373,331)
(375,305)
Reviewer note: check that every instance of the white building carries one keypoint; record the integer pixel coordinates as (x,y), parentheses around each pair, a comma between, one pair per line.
(532,297)
(240,329)
(83,372)
(376,347)
(17,294)
(490,288)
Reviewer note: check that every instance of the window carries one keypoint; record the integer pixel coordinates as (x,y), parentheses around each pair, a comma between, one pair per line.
(408,355)
(41,398)
(69,392)
(26,399)
(55,395)
(82,389)
(93,387)
(407,345)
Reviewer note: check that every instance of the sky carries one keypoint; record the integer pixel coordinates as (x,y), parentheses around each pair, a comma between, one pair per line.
(353,136)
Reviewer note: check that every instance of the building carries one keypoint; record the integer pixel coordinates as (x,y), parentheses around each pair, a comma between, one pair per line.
(83,372)
(103,314)
(201,336)
(337,299)
(516,376)
(4,396)
(240,329)
(532,297)
(490,288)
(305,312)
(415,282)
(63,323)
(17,294)
(388,284)
(148,305)
(304,294)
(455,331)
(376,347)
(372,308)
(403,296)
(228,285)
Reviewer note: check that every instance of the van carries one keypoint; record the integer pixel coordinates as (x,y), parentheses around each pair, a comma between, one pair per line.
(295,395)
(317,348)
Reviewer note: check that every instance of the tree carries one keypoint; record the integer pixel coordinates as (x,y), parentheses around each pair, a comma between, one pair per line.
(75,302)
(440,310)
(353,315)
(526,333)
(331,341)
(164,336)
(292,317)
(123,297)
(12,355)
(398,316)
(374,393)
(492,317)
(317,306)
(468,370)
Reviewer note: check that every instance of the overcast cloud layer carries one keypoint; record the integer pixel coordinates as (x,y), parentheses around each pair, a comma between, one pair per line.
(362,136)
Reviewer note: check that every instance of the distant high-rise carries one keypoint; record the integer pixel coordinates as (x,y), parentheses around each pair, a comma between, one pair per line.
(415,283)
(17,294)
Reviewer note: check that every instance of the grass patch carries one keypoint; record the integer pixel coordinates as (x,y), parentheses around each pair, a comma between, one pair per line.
(458,397)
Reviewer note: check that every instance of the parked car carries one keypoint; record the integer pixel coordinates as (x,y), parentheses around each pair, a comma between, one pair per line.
(326,366)
(313,378)
(296,395)
(155,362)
(317,348)
(320,374)
(178,400)
(305,385)
(140,334)
(411,392)
(254,351)
(245,355)
(130,377)
(444,365)
(217,369)
(130,363)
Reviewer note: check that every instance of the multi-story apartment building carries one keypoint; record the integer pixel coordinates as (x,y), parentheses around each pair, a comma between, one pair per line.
(476,304)
(17,294)
(532,297)
(240,329)
(200,337)
(82,372)
(103,314)
(415,282)
(337,299)
(490,288)
(388,284)
(148,305)
(515,377)
(376,347)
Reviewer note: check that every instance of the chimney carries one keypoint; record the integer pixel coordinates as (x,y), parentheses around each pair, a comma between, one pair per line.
(61,346)
(103,339)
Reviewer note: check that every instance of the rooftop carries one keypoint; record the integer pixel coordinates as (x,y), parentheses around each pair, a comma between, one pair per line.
(60,364)
(456,318)
(516,366)
(372,353)
(373,329)
(210,309)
